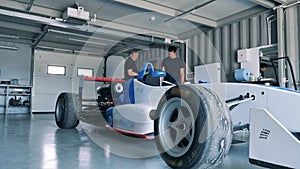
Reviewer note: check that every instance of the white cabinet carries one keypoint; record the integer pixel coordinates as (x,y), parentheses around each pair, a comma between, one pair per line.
(15,99)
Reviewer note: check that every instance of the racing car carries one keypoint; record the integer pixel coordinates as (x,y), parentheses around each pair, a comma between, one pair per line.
(193,124)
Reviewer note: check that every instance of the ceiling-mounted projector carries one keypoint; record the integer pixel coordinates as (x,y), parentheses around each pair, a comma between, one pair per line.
(76,15)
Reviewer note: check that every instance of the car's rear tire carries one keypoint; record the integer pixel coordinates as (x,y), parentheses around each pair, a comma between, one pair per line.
(193,128)
(66,110)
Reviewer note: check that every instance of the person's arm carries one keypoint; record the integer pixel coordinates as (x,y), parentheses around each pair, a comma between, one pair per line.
(182,75)
(131,73)
(162,69)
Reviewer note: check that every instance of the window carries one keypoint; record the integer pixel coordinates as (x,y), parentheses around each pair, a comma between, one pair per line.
(85,72)
(56,70)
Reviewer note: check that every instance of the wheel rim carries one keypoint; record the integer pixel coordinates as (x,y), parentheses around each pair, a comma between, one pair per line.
(177,129)
(60,108)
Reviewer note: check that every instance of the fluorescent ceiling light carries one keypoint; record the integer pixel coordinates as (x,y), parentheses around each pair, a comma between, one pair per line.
(87,41)
(9,36)
(9,47)
(69,51)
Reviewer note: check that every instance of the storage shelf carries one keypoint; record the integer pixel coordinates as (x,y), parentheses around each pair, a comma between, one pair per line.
(16,94)
(8,92)
(16,86)
(22,106)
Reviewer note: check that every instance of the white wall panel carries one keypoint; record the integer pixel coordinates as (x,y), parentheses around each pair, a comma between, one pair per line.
(152,54)
(46,88)
(16,64)
(115,67)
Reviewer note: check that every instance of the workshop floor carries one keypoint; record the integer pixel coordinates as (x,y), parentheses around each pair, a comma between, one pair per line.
(34,142)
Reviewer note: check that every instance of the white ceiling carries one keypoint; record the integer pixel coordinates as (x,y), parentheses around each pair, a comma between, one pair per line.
(225,8)
(31,20)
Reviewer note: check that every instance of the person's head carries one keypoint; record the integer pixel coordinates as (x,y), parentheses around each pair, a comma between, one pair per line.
(263,67)
(172,51)
(134,54)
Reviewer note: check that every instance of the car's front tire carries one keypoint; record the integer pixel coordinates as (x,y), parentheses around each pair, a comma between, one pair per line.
(193,128)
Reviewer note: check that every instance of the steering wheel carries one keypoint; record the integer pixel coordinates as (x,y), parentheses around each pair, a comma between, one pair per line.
(150,71)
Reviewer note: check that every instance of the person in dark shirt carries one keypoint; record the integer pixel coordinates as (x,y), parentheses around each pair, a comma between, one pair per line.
(130,68)
(130,71)
(173,66)
(263,68)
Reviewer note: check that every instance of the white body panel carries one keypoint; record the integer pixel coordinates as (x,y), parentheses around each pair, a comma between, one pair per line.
(136,117)
(240,114)
(147,93)
(282,103)
(271,142)
(273,114)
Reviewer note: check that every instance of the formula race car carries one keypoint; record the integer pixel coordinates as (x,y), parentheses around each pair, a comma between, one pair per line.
(193,124)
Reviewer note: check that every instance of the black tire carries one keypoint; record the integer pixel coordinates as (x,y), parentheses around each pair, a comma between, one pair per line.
(193,128)
(66,110)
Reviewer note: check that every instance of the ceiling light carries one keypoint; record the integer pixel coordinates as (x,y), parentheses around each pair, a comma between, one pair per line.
(84,41)
(9,36)
(9,47)
(152,18)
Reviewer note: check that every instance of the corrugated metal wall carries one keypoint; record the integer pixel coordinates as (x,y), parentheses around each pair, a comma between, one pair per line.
(218,45)
(156,55)
(153,55)
(221,44)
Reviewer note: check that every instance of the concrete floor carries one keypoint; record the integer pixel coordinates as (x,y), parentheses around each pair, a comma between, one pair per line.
(34,142)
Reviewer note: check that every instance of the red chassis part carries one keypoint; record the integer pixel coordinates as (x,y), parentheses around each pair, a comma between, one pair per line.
(102,79)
